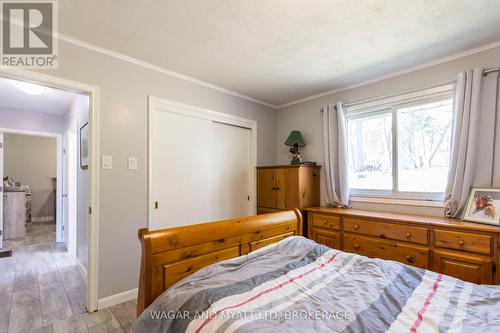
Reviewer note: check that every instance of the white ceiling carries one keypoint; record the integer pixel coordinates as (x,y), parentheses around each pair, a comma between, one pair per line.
(49,100)
(279,51)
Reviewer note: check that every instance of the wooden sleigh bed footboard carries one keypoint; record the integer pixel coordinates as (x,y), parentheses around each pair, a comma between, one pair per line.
(168,255)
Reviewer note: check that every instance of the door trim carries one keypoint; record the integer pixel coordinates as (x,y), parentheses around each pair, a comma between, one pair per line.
(156,103)
(94,129)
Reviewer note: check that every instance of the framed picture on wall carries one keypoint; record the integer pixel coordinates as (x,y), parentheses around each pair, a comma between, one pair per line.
(483,206)
(84,146)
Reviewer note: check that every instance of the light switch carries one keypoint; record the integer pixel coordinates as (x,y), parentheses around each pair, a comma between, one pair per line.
(132,163)
(107,162)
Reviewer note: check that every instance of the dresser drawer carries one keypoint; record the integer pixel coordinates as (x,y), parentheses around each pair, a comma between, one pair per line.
(326,237)
(457,240)
(388,230)
(326,221)
(385,249)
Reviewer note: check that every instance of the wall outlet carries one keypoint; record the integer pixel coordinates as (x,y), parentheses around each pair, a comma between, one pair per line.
(107,162)
(132,163)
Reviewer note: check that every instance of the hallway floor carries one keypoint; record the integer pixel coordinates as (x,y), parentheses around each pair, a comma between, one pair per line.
(42,290)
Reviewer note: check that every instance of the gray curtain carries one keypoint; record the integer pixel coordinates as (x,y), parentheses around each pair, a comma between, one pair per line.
(335,155)
(473,137)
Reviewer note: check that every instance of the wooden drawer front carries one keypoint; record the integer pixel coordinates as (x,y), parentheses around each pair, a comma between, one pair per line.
(388,230)
(326,221)
(467,267)
(463,241)
(412,255)
(326,237)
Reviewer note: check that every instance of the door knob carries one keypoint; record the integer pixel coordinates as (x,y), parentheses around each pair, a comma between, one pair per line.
(410,259)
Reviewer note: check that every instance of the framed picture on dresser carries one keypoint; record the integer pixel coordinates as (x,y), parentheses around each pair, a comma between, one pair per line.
(483,206)
(84,146)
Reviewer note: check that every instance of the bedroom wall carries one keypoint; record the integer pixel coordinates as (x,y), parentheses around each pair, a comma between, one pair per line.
(124,89)
(31,160)
(306,116)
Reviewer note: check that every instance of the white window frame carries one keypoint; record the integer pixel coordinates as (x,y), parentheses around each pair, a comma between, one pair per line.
(390,105)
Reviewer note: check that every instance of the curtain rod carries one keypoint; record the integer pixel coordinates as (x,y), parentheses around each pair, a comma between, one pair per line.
(491,70)
(407,91)
(485,72)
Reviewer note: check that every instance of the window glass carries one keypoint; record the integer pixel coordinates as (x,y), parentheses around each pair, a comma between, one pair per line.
(370,152)
(424,143)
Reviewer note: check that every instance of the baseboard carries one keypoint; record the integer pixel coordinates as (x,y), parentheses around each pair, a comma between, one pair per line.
(106,302)
(42,219)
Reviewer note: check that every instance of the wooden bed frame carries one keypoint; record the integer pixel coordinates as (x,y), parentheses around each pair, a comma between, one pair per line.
(168,255)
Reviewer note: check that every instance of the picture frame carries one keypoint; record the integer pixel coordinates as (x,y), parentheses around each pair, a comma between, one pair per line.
(84,146)
(483,206)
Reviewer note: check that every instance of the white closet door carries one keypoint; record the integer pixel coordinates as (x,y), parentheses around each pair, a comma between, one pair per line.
(231,162)
(200,170)
(181,163)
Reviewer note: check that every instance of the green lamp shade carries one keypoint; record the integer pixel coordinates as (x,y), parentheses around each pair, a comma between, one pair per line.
(295,138)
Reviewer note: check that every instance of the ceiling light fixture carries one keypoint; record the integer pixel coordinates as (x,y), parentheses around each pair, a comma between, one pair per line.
(30,88)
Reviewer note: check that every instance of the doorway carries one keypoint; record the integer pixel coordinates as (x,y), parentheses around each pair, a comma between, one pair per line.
(69,168)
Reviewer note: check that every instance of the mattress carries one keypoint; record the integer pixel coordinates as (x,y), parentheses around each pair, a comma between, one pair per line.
(297,285)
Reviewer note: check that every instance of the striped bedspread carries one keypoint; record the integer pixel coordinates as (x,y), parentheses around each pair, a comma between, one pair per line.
(297,285)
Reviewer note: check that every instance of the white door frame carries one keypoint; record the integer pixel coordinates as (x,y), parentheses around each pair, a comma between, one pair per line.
(59,166)
(71,201)
(2,191)
(93,217)
(155,103)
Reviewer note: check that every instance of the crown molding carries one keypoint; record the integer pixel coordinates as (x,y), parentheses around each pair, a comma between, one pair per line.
(121,56)
(397,73)
(135,61)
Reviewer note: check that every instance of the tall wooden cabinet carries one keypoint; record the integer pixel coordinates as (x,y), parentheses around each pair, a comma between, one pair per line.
(287,187)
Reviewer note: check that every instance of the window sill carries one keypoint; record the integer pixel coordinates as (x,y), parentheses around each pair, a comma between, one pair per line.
(403,202)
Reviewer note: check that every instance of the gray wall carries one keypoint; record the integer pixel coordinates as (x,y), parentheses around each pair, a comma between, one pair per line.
(124,88)
(31,121)
(306,116)
(32,160)
(79,113)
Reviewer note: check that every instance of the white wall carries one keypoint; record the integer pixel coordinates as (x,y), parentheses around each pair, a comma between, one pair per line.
(31,160)
(79,112)
(31,121)
(124,88)
(306,116)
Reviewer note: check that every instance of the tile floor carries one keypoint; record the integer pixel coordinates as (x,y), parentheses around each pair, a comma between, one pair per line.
(42,290)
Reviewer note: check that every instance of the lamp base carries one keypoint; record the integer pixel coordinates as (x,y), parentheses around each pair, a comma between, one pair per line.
(296,159)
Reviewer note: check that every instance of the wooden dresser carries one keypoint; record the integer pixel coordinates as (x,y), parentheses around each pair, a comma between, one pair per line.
(287,187)
(468,251)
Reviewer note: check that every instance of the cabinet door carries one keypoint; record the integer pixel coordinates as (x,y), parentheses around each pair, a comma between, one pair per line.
(326,237)
(467,267)
(266,184)
(287,184)
(309,193)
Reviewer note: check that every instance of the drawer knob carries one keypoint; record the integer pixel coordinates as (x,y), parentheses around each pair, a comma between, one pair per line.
(410,259)
(408,234)
(356,226)
(356,246)
(461,242)
(325,221)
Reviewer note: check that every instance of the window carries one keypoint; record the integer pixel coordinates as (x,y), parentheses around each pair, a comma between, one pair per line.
(400,147)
